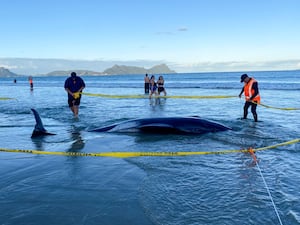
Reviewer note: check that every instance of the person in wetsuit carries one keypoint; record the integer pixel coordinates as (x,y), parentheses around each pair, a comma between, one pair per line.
(252,96)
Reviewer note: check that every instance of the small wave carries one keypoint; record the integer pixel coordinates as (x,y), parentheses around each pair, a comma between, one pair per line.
(295,216)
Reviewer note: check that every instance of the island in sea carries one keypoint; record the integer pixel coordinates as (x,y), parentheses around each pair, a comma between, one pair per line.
(118,70)
(115,70)
(6,73)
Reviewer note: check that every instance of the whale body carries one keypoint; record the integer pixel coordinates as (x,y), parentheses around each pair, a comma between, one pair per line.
(160,125)
(165,125)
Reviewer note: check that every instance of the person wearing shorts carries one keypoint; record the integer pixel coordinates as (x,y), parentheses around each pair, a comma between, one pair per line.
(74,86)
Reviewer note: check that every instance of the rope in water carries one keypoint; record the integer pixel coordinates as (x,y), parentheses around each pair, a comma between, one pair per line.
(140,154)
(144,154)
(272,107)
(4,98)
(171,96)
(268,190)
(180,97)
(266,185)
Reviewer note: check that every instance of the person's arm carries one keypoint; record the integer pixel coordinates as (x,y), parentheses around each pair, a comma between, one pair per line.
(82,86)
(242,91)
(66,86)
(80,90)
(255,88)
(68,90)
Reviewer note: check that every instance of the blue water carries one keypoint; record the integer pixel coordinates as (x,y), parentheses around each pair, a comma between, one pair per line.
(204,189)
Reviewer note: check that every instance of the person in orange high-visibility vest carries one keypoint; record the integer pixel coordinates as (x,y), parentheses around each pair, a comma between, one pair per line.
(30,82)
(251,93)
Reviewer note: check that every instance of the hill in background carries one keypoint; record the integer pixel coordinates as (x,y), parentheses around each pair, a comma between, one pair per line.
(115,70)
(119,70)
(6,73)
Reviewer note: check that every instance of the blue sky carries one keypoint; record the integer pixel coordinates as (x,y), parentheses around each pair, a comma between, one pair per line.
(188,35)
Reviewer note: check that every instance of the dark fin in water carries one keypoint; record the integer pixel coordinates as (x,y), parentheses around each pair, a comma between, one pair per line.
(39,129)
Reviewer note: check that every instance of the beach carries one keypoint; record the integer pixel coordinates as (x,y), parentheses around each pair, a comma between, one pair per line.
(198,189)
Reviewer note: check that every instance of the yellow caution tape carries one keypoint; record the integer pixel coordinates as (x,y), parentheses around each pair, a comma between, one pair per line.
(158,96)
(4,98)
(113,96)
(180,97)
(272,107)
(141,154)
(198,96)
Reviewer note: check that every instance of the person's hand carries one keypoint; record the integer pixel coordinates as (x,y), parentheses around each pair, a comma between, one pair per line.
(76,95)
(240,95)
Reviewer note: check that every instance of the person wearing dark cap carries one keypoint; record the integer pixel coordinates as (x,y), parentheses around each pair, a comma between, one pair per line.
(252,96)
(74,86)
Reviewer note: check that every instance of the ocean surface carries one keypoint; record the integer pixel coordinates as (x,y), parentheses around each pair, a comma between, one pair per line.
(219,189)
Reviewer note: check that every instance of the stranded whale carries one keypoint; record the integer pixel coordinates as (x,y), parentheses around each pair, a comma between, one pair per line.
(165,125)
(161,125)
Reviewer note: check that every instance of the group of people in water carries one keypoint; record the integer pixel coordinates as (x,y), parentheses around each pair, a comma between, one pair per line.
(250,90)
(75,84)
(154,87)
(30,80)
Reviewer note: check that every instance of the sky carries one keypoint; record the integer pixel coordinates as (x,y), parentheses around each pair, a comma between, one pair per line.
(187,35)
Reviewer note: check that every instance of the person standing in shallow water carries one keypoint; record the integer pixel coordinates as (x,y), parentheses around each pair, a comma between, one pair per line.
(30,82)
(160,84)
(153,86)
(147,84)
(252,96)
(74,86)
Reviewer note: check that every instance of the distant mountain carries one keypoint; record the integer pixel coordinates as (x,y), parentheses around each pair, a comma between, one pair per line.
(42,66)
(78,72)
(6,73)
(116,70)
(162,68)
(119,70)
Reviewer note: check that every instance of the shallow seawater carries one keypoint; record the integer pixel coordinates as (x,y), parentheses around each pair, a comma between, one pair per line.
(200,189)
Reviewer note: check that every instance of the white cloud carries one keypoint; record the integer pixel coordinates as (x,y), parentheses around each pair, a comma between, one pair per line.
(9,67)
(42,66)
(164,33)
(182,29)
(231,66)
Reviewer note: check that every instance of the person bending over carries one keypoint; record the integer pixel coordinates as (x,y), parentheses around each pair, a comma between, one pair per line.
(252,96)
(74,86)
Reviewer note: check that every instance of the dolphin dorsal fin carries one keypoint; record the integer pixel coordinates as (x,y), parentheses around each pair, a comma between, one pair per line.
(39,129)
(38,121)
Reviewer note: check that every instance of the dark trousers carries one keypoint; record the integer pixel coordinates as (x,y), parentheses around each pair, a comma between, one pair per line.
(147,85)
(253,110)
